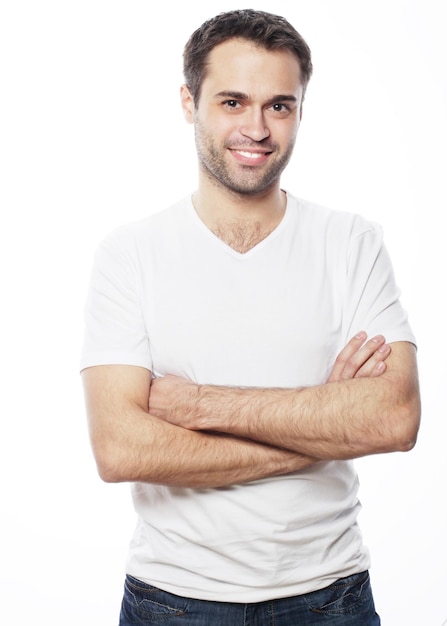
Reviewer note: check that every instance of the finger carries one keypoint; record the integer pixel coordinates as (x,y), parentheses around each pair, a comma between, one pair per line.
(376,364)
(357,360)
(346,355)
(366,358)
(360,358)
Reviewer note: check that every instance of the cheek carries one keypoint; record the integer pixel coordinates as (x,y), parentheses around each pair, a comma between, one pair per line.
(287,134)
(224,126)
(215,125)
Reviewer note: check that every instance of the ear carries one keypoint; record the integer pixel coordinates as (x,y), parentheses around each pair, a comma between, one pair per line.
(187,104)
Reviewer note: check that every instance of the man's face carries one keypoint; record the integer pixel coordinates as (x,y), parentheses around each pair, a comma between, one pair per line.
(248,116)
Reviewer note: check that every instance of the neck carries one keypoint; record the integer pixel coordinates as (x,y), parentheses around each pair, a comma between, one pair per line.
(215,203)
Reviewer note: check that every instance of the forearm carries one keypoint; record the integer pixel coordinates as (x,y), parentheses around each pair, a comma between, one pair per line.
(143,448)
(330,421)
(338,420)
(130,444)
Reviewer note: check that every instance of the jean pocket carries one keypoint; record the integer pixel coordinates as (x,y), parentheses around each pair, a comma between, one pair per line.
(143,603)
(347,596)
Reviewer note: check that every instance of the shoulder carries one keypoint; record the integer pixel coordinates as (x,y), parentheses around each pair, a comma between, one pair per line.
(333,232)
(320,218)
(132,236)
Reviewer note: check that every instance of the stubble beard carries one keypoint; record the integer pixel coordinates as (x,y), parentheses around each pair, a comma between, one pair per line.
(249,181)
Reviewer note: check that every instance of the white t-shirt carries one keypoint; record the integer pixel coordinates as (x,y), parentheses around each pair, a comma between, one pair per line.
(168,295)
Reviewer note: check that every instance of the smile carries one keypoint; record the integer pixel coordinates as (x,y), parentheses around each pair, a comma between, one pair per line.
(248,156)
(251,155)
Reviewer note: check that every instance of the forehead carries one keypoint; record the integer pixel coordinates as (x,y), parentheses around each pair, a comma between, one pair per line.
(241,65)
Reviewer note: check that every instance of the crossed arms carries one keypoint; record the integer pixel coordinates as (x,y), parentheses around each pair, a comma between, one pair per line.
(171,431)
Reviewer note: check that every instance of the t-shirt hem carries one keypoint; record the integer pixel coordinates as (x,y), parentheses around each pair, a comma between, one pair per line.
(245,595)
(113,359)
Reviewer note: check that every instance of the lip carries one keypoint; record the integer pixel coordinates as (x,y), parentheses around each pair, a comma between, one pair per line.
(250,157)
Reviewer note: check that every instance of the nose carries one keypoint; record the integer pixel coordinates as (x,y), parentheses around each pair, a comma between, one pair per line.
(253,125)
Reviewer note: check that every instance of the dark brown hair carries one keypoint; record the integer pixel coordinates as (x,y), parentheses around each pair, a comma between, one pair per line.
(269,31)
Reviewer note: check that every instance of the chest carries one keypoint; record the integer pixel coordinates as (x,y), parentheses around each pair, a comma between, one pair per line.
(267,322)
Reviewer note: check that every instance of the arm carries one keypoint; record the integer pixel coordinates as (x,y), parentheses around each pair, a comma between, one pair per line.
(130,444)
(352,415)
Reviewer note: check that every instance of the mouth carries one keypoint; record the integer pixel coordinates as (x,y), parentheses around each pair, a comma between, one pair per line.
(251,157)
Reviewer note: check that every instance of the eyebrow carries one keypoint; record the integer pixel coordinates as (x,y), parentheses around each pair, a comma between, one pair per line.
(238,95)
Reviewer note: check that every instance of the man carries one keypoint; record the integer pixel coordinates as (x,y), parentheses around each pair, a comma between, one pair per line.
(210,362)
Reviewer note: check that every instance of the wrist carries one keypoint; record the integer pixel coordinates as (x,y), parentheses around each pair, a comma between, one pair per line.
(188,405)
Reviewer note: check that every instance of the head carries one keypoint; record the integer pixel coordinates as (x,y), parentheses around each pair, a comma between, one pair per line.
(265,30)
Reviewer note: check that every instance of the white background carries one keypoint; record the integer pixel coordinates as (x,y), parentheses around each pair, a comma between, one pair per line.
(92,136)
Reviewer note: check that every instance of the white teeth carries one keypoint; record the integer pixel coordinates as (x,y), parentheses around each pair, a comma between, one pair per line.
(250,155)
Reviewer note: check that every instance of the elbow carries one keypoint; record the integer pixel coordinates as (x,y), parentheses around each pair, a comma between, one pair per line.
(407,426)
(108,462)
(406,444)
(108,472)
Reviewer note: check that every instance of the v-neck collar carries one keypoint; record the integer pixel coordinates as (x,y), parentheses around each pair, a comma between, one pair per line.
(227,248)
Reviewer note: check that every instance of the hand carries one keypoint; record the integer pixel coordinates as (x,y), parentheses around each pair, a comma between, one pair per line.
(171,399)
(361,360)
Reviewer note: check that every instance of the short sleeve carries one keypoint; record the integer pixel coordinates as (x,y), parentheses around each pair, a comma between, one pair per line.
(115,332)
(372,297)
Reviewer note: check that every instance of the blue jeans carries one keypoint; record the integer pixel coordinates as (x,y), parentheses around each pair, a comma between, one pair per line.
(347,602)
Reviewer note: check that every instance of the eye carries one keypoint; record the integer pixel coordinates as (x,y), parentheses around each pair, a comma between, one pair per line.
(231,104)
(279,107)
